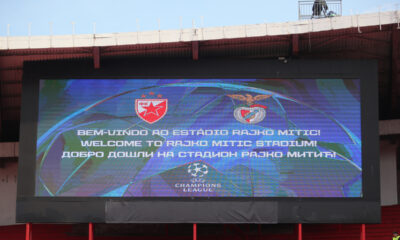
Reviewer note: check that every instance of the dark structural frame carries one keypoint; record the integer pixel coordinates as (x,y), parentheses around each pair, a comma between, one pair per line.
(31,209)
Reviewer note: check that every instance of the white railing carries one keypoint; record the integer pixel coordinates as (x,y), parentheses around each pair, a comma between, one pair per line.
(319,8)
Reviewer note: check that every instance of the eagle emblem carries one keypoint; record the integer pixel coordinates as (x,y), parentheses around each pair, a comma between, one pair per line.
(250,112)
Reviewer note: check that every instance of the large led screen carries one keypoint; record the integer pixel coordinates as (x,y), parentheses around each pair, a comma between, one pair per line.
(199,138)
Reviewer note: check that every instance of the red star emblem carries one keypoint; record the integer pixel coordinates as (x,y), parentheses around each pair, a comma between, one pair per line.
(151,110)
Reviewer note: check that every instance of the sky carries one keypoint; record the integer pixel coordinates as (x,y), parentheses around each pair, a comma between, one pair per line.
(60,17)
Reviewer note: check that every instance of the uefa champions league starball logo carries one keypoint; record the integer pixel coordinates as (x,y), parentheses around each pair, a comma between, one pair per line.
(197,170)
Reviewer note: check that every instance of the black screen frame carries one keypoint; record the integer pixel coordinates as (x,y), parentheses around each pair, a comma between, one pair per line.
(199,210)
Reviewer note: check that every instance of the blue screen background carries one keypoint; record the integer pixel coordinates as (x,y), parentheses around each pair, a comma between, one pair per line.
(331,106)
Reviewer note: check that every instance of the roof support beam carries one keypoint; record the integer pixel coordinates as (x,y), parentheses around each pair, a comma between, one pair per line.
(295,45)
(395,73)
(96,57)
(1,109)
(9,150)
(389,127)
(195,50)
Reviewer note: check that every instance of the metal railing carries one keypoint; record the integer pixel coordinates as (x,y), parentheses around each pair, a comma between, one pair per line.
(319,8)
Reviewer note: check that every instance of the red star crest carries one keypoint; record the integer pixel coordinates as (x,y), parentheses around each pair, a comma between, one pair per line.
(151,110)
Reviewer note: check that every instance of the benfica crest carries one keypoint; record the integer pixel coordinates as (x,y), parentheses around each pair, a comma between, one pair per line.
(151,110)
(249,113)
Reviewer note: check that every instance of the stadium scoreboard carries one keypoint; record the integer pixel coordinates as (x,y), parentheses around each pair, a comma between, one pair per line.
(251,141)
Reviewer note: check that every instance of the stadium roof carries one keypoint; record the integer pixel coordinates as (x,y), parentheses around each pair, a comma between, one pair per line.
(367,36)
(201,34)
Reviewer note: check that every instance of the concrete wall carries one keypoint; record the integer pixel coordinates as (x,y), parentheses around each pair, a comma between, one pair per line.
(8,192)
(388,160)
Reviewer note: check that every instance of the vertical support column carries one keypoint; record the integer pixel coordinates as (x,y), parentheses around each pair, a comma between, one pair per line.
(394,88)
(362,237)
(90,231)
(194,231)
(299,231)
(166,230)
(195,50)
(295,45)
(96,57)
(28,231)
